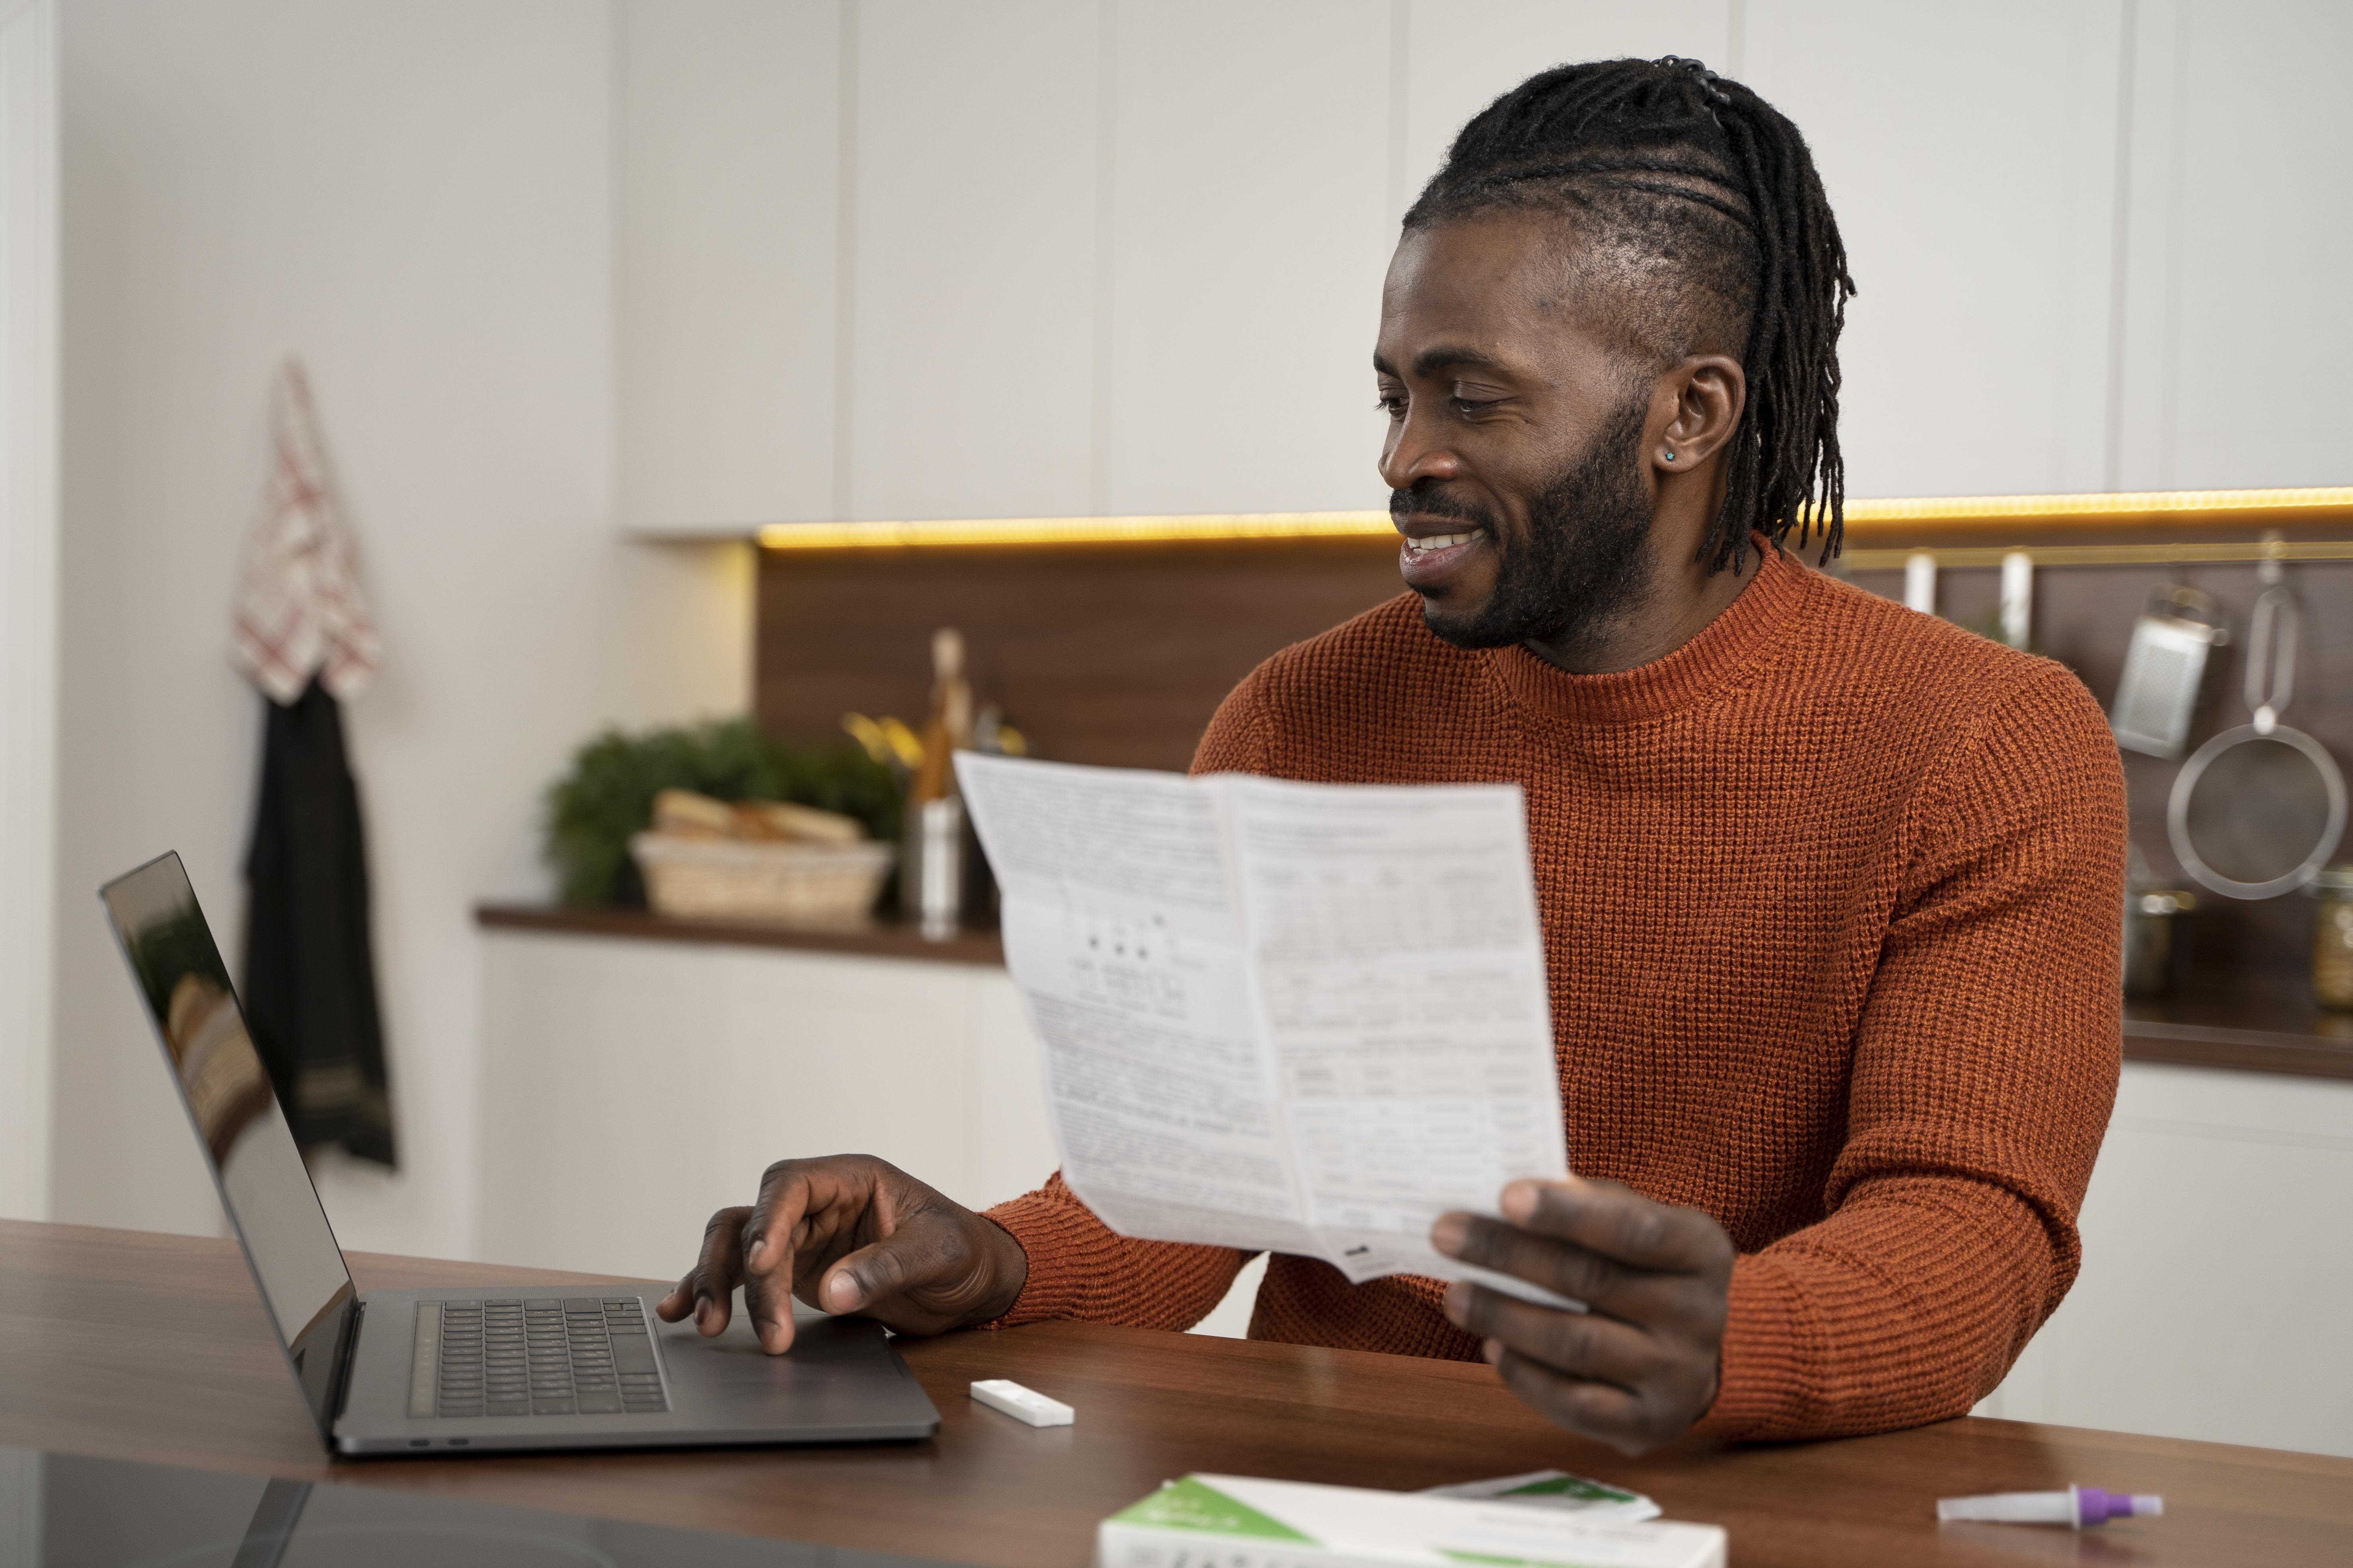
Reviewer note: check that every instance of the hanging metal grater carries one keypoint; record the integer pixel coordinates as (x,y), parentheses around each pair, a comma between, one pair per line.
(2163,669)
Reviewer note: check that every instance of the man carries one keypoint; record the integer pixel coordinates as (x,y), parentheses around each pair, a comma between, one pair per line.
(1829,888)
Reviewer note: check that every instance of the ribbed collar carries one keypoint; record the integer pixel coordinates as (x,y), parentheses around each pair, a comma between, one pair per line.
(1686,677)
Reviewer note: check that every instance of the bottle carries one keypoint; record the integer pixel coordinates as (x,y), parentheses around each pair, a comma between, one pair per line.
(931,879)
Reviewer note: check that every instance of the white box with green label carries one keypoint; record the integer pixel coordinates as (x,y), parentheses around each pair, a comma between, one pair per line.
(1234,1521)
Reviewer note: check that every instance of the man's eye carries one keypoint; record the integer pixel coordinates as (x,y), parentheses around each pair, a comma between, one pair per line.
(1472,407)
(1393,403)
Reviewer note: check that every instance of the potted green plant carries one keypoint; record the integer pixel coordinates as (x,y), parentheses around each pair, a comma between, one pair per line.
(607,794)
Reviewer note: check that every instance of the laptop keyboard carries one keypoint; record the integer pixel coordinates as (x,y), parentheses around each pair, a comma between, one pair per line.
(582,1356)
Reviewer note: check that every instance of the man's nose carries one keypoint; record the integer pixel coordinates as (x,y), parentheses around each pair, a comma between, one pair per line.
(1414,452)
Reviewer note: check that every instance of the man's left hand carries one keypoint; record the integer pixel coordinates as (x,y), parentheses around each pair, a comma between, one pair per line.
(1639,1368)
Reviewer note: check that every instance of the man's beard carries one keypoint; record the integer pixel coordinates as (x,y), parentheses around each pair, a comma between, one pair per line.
(1582,561)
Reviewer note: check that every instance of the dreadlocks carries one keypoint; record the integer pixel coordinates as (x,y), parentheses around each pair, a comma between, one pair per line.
(1687,191)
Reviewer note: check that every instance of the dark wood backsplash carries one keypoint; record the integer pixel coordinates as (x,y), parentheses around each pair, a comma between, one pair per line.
(1118,655)
(1109,654)
(2083,617)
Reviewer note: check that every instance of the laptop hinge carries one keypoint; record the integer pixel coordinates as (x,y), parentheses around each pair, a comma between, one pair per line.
(344,1366)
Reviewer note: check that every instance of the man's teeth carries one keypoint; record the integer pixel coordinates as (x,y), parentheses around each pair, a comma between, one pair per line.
(1439,541)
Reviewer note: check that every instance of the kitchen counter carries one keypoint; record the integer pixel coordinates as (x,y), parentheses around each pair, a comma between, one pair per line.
(727,1046)
(2283,1034)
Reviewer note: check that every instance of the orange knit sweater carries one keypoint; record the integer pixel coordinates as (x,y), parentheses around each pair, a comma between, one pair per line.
(1830,898)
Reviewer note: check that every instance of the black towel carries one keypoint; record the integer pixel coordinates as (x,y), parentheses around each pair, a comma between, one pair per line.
(310,967)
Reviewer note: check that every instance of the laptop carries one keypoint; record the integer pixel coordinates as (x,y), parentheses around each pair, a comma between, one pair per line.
(485,1367)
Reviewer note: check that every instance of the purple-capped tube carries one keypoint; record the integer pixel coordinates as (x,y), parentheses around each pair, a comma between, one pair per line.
(2076,1507)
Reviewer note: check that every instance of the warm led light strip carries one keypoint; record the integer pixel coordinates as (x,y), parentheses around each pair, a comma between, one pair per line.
(2173,509)
(2184,553)
(1075,529)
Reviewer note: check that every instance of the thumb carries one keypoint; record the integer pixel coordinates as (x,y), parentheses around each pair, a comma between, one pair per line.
(925,1277)
(881,1270)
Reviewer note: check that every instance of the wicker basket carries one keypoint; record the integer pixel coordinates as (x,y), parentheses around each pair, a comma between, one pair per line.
(797,884)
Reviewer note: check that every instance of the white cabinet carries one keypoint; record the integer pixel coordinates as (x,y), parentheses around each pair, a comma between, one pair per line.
(1969,153)
(907,259)
(725,267)
(1250,228)
(2236,314)
(1053,258)
(631,1088)
(973,361)
(2212,1302)
(1460,58)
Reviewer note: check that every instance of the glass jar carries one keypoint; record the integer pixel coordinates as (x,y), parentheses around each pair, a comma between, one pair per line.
(2150,916)
(2332,939)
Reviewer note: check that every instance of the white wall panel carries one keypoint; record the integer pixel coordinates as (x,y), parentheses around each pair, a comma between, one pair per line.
(1249,233)
(1969,154)
(728,161)
(972,391)
(1461,57)
(28,595)
(419,199)
(2238,317)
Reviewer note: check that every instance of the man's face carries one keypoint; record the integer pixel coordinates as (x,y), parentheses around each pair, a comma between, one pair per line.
(1515,439)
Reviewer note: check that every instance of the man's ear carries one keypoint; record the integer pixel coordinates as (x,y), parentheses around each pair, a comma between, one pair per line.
(1702,399)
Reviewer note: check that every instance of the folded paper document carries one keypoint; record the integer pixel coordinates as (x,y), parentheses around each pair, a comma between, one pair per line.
(1286,1524)
(1279,1016)
(1555,1489)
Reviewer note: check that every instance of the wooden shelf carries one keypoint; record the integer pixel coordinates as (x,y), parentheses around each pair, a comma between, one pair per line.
(2280,1033)
(641,925)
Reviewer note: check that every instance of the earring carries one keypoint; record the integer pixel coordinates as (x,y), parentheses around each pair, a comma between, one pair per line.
(1670,456)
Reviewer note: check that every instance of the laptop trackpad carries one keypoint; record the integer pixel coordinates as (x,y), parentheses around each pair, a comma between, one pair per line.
(829,1354)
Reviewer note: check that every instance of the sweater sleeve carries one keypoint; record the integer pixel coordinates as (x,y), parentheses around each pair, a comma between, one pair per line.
(1985,1066)
(1080,1267)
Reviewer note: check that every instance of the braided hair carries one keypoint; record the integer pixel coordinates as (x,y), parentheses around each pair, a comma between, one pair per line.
(1676,181)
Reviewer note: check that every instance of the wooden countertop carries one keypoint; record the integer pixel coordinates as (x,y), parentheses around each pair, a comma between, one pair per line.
(2284,1034)
(128,1345)
(875,941)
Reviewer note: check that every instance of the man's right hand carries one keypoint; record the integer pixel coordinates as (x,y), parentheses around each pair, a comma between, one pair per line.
(849,1233)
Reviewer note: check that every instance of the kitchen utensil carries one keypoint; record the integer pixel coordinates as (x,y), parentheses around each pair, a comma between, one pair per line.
(2271,678)
(2163,667)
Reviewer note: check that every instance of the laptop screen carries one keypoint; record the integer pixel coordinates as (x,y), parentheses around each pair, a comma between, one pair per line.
(263,1183)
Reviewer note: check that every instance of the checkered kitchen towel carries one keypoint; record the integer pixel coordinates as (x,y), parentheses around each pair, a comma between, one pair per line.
(302,633)
(299,611)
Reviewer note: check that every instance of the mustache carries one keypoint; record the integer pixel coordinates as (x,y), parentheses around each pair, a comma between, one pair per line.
(1438,503)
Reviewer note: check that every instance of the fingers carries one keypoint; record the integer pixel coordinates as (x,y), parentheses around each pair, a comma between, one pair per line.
(709,1289)
(1643,1366)
(772,1245)
(1583,1345)
(1620,1224)
(1567,1269)
(928,1259)
(1602,1411)
(850,1233)
(1632,1385)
